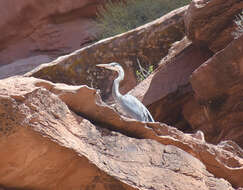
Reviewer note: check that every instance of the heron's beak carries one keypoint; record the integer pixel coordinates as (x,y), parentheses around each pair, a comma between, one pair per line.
(106,66)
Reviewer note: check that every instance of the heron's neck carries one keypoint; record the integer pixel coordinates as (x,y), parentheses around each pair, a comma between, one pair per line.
(115,88)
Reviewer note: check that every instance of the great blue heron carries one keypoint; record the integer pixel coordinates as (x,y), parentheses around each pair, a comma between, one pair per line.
(128,103)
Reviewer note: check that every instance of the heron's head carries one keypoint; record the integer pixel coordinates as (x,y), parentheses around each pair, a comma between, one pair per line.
(111,66)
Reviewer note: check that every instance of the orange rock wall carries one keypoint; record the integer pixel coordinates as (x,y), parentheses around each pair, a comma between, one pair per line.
(36,27)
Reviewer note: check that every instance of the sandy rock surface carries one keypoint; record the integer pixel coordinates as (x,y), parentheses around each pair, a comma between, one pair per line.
(51,147)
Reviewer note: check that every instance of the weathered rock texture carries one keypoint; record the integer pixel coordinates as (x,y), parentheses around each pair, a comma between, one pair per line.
(35,27)
(147,43)
(76,154)
(55,136)
(209,101)
(210,23)
(218,87)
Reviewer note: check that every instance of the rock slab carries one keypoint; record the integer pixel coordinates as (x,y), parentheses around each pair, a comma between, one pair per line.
(34,114)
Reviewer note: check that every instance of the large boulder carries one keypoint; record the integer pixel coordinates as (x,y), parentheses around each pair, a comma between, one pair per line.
(76,153)
(210,100)
(197,91)
(147,43)
(210,23)
(218,95)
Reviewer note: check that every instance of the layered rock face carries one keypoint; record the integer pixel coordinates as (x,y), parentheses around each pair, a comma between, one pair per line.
(207,98)
(45,145)
(195,89)
(218,95)
(59,136)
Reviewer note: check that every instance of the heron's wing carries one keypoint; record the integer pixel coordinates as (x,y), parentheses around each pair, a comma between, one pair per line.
(133,106)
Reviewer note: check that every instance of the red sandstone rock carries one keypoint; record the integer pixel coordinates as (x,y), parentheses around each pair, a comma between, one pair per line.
(210,23)
(218,95)
(24,99)
(43,145)
(115,152)
(216,107)
(51,28)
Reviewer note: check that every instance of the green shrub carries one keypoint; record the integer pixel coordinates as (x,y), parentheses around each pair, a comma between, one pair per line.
(239,23)
(118,17)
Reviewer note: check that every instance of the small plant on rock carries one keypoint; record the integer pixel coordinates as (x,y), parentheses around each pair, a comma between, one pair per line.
(143,73)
